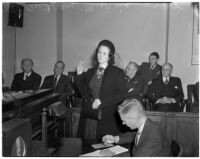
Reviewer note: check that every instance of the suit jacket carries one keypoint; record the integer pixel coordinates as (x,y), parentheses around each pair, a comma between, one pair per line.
(136,84)
(153,142)
(112,92)
(31,83)
(64,86)
(148,74)
(174,87)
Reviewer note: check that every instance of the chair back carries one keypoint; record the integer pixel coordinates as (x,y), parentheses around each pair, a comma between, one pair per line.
(193,96)
(176,149)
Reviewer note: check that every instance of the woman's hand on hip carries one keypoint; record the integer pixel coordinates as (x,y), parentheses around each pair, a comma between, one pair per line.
(96,103)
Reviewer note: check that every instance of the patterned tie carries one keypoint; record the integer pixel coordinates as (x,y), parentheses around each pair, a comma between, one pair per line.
(137,138)
(100,72)
(55,81)
(26,76)
(166,81)
(152,68)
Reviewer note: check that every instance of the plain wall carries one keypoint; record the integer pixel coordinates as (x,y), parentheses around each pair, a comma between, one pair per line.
(38,38)
(73,31)
(8,45)
(180,44)
(135,29)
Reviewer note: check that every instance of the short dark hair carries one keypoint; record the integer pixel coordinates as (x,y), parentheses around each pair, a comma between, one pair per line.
(26,59)
(111,47)
(155,54)
(60,62)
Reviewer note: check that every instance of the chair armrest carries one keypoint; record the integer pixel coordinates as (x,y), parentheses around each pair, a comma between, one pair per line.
(185,103)
(147,103)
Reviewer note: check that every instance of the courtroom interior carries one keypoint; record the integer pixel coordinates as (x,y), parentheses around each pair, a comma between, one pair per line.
(102,79)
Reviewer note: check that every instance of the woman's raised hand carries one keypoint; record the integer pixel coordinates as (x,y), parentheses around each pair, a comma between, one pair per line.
(80,68)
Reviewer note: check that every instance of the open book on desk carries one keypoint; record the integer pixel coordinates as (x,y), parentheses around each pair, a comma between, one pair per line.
(112,151)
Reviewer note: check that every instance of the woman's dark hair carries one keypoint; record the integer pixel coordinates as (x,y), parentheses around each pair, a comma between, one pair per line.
(111,47)
(155,54)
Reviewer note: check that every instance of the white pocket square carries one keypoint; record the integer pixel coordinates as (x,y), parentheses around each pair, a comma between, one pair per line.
(176,87)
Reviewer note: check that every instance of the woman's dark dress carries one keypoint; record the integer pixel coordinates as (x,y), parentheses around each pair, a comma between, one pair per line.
(111,92)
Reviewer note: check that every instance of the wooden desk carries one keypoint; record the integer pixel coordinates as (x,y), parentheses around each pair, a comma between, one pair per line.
(74,147)
(29,105)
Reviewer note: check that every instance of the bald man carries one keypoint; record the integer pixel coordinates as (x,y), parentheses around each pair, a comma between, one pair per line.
(149,141)
(28,79)
(134,81)
(166,92)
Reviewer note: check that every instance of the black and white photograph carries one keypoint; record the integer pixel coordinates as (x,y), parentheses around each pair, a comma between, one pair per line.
(100,79)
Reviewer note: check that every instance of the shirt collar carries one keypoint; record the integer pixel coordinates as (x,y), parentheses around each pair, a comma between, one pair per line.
(58,76)
(164,78)
(142,126)
(153,67)
(28,74)
(104,66)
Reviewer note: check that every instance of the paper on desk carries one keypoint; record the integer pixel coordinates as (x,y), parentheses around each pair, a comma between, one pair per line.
(101,145)
(118,149)
(100,153)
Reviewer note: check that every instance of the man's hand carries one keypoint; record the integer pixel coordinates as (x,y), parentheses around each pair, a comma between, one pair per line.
(109,139)
(162,100)
(171,100)
(96,103)
(165,100)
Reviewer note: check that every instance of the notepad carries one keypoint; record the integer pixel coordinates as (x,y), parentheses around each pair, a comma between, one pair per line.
(106,152)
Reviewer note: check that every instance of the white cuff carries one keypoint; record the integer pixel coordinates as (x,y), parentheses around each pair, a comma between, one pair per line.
(116,139)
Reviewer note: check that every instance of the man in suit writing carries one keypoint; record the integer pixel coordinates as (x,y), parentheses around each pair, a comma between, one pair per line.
(59,82)
(166,92)
(149,140)
(28,79)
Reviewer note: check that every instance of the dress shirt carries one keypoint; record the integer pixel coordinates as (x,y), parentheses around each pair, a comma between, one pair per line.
(26,75)
(57,78)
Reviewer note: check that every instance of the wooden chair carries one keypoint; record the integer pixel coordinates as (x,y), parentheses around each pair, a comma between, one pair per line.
(193,98)
(149,104)
(176,149)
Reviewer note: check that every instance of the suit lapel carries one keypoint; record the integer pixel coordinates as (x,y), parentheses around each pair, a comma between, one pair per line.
(144,132)
(59,81)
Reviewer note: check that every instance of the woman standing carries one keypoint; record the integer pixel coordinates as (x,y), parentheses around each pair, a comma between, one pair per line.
(105,84)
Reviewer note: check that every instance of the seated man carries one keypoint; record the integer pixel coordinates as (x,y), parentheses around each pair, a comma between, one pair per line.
(28,79)
(166,92)
(151,70)
(59,82)
(134,81)
(149,139)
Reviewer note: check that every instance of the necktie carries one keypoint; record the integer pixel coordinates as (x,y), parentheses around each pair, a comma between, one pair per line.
(127,78)
(26,76)
(166,81)
(137,138)
(55,81)
(152,68)
(100,72)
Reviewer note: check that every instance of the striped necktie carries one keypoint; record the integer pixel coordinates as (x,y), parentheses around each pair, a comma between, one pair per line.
(166,81)
(55,81)
(137,138)
(100,72)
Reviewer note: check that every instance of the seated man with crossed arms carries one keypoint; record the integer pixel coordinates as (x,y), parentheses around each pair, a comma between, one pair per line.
(149,140)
